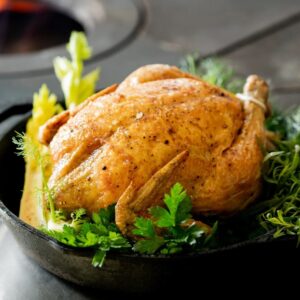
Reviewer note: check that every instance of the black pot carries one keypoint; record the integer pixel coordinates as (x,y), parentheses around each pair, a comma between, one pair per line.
(124,272)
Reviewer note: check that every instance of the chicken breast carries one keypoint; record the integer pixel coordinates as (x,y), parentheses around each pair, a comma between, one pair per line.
(130,143)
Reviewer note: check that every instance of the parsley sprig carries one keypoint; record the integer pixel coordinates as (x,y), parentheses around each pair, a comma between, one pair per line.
(169,231)
(99,232)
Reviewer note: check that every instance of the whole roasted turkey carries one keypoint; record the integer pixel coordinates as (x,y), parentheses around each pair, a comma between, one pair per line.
(131,142)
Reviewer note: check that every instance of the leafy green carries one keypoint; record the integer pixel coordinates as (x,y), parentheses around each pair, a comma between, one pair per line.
(282,175)
(278,124)
(99,258)
(144,227)
(179,206)
(79,217)
(286,124)
(99,232)
(281,210)
(169,230)
(76,88)
(214,71)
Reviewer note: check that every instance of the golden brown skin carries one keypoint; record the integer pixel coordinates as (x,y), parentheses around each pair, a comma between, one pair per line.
(117,142)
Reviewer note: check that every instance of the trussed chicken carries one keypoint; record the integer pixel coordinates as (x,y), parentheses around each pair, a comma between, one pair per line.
(130,143)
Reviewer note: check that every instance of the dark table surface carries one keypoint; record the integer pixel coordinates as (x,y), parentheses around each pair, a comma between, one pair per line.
(253,36)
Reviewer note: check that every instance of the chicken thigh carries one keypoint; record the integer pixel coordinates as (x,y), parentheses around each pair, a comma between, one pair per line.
(130,143)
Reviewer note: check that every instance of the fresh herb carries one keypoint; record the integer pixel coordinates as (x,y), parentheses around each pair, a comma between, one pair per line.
(98,232)
(170,230)
(146,229)
(214,71)
(69,72)
(285,124)
(282,175)
(281,212)
(26,147)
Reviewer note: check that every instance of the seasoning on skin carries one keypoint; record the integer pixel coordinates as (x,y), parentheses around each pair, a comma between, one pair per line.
(139,115)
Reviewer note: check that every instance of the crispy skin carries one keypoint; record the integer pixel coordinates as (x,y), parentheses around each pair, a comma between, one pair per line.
(124,137)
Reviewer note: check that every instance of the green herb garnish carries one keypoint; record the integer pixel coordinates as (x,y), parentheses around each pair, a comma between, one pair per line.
(281,211)
(99,232)
(168,231)
(282,179)
(214,71)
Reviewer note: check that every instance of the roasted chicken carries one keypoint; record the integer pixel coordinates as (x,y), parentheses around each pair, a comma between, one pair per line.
(130,143)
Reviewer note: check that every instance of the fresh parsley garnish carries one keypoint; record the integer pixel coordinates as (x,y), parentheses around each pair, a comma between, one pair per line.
(169,230)
(99,232)
(178,209)
(145,228)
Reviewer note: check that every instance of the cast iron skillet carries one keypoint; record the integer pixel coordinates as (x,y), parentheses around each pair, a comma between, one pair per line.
(125,272)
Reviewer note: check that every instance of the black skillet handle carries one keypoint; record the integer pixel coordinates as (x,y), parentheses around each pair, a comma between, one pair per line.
(18,109)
